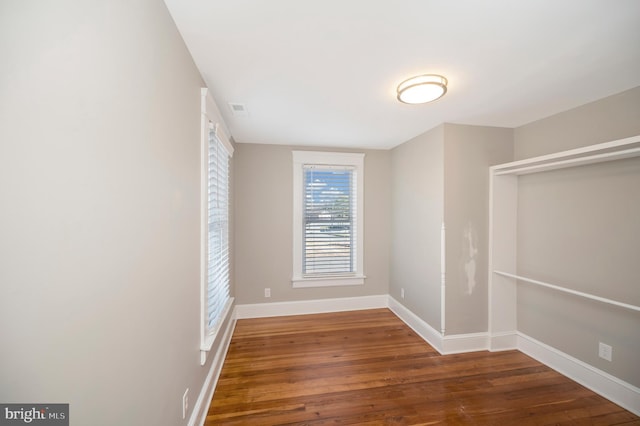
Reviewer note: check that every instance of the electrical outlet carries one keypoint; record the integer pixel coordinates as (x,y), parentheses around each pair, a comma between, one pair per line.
(605,351)
(267,292)
(402,293)
(185,403)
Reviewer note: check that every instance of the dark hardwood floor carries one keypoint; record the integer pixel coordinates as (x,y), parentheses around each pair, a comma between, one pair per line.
(369,368)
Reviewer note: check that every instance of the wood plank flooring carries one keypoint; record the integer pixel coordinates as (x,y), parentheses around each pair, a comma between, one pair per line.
(369,368)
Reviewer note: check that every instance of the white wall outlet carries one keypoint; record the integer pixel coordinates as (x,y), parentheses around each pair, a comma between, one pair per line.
(605,351)
(402,293)
(185,403)
(267,292)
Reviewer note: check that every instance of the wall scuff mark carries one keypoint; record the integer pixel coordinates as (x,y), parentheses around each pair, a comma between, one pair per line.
(469,254)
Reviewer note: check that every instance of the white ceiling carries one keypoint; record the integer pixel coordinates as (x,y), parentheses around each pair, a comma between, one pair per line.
(324,72)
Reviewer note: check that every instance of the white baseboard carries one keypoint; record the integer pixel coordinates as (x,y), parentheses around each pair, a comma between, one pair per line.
(453,344)
(201,407)
(444,345)
(504,341)
(610,387)
(303,307)
(461,343)
(424,330)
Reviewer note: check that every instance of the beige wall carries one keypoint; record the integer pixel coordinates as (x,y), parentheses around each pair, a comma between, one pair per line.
(468,153)
(611,118)
(264,233)
(99,182)
(417,190)
(578,228)
(443,175)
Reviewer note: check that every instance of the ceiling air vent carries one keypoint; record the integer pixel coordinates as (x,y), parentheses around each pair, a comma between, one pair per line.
(238,110)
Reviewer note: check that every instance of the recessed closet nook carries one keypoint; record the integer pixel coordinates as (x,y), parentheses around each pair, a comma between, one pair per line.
(564,266)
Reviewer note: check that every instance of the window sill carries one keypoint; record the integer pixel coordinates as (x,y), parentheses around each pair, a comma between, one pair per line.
(207,340)
(335,281)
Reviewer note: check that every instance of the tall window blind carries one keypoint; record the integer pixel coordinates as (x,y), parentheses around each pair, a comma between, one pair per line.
(329,220)
(218,232)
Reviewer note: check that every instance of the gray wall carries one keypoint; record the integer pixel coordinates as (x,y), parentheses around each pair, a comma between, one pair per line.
(417,191)
(263,197)
(468,153)
(579,228)
(99,181)
(611,118)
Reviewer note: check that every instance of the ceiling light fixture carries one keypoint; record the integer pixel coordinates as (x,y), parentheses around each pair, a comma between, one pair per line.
(422,89)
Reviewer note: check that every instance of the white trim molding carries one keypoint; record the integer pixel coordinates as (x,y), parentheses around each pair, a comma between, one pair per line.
(610,387)
(461,343)
(210,120)
(211,112)
(207,340)
(445,345)
(328,281)
(303,307)
(354,161)
(443,279)
(503,341)
(424,330)
(201,407)
(618,391)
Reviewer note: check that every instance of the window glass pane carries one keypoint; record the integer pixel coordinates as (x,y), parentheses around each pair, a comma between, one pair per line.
(328,220)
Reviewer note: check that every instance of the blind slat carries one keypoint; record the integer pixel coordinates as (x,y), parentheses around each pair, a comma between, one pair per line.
(218,231)
(329,220)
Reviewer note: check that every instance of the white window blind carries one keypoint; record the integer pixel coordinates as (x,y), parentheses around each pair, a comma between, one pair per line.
(217,294)
(215,153)
(329,220)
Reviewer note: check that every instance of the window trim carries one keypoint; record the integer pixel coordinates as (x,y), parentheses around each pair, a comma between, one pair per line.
(320,158)
(208,122)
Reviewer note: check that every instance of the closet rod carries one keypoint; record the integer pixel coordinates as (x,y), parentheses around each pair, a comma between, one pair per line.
(577,161)
(566,290)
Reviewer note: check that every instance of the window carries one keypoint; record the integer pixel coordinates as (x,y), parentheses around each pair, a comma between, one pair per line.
(328,219)
(215,298)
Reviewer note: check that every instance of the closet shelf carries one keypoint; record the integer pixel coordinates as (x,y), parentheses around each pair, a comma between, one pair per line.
(608,151)
(569,291)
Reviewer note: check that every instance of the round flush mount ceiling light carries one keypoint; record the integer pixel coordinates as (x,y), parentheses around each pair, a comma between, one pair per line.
(422,89)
